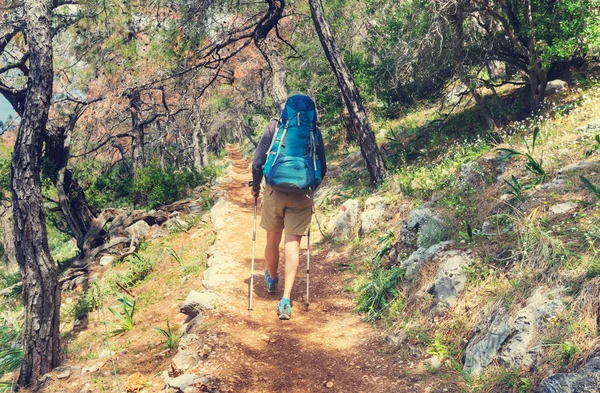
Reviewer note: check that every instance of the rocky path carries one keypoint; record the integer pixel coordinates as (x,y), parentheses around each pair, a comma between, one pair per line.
(325,349)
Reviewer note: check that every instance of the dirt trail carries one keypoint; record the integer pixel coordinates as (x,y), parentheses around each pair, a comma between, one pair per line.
(327,345)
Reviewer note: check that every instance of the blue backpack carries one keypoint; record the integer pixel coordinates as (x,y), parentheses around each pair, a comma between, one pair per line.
(292,164)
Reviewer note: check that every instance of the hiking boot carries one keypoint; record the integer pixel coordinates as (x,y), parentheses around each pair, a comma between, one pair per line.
(284,309)
(271,282)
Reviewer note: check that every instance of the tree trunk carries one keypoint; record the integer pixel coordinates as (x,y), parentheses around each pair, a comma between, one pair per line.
(457,21)
(8,237)
(278,73)
(73,203)
(137,130)
(358,115)
(41,291)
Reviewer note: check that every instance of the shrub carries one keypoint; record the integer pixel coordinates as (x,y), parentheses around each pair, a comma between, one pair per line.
(377,293)
(162,186)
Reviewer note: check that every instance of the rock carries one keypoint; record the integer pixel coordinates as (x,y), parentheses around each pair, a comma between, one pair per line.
(329,384)
(214,278)
(138,230)
(585,380)
(578,167)
(156,232)
(135,383)
(433,363)
(451,276)
(479,173)
(64,372)
(196,302)
(563,209)
(219,214)
(591,128)
(107,260)
(511,339)
(556,86)
(353,159)
(417,259)
(92,369)
(325,193)
(372,214)
(176,224)
(422,228)
(344,225)
(104,354)
(183,381)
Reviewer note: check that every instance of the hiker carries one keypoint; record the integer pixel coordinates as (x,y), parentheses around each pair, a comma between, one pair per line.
(291,156)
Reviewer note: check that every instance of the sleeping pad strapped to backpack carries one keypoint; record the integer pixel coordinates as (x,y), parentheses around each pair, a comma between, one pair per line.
(292,164)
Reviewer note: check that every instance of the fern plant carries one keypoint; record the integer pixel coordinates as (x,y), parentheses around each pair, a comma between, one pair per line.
(532,165)
(171,336)
(11,353)
(124,315)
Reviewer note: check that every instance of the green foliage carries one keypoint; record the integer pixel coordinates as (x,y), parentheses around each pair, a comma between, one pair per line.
(4,178)
(172,337)
(104,187)
(512,379)
(8,279)
(138,269)
(160,187)
(514,188)
(590,186)
(385,242)
(438,348)
(178,257)
(533,165)
(11,352)
(378,291)
(124,315)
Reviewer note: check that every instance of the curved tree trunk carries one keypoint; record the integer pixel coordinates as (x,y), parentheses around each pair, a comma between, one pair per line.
(273,58)
(41,291)
(358,115)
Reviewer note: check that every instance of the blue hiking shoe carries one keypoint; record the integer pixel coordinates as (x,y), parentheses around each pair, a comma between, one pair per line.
(271,282)
(284,309)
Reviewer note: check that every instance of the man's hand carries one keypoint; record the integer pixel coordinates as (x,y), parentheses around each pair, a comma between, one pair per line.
(255,193)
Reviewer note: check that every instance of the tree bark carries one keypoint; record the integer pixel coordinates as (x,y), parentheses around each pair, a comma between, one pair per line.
(8,237)
(270,53)
(457,20)
(137,130)
(71,197)
(351,95)
(41,291)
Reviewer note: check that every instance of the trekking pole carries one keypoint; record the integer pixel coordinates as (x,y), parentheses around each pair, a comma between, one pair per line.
(307,268)
(251,287)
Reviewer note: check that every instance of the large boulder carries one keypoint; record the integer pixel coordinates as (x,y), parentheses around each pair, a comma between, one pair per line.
(412,265)
(343,226)
(422,228)
(375,209)
(556,86)
(511,339)
(196,302)
(585,380)
(451,277)
(138,229)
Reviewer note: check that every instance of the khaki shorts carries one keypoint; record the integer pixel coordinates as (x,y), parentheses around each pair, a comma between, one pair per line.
(281,210)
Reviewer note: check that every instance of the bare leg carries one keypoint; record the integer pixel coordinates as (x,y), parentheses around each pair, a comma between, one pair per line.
(272,252)
(292,259)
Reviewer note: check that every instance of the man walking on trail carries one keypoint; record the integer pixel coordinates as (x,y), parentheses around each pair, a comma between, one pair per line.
(291,156)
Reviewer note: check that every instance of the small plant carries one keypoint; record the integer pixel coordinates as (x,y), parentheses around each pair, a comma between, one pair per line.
(125,315)
(11,353)
(385,243)
(515,188)
(178,257)
(592,187)
(438,348)
(567,351)
(376,294)
(171,336)
(534,166)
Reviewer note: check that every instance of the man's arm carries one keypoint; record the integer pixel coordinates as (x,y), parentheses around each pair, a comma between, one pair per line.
(260,155)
